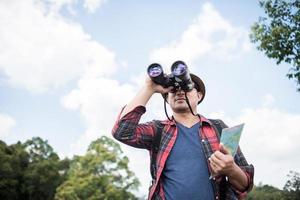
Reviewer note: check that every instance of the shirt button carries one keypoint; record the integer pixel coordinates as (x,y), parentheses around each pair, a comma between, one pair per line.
(203,140)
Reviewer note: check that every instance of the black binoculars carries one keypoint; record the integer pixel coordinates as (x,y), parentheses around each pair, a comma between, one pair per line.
(179,78)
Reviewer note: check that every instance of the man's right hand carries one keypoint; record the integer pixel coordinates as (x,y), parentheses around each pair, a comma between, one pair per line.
(156,88)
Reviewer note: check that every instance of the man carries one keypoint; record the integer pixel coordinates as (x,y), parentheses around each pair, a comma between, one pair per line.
(189,150)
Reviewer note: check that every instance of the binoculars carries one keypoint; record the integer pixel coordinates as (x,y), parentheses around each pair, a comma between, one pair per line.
(179,78)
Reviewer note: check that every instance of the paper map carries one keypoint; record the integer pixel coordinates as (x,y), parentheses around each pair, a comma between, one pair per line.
(231,136)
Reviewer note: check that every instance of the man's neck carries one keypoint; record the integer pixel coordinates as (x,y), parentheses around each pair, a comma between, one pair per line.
(186,119)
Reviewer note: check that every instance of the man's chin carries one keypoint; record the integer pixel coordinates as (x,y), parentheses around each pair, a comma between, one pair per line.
(181,109)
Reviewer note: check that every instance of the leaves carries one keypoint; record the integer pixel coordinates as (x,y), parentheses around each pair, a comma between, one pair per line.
(278,34)
(292,186)
(102,173)
(291,190)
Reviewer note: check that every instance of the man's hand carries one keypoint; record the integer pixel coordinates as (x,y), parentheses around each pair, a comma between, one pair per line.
(222,162)
(155,88)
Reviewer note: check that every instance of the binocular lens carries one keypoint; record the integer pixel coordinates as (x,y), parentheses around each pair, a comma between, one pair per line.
(155,70)
(179,68)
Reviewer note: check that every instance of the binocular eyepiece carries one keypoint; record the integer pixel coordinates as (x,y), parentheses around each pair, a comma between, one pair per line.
(179,78)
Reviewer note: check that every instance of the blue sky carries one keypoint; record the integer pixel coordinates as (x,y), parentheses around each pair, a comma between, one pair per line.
(68,66)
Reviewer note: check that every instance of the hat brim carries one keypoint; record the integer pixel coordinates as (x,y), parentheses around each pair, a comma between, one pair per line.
(199,86)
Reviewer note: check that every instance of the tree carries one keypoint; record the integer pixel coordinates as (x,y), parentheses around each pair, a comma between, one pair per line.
(292,186)
(102,173)
(263,192)
(41,177)
(14,160)
(278,34)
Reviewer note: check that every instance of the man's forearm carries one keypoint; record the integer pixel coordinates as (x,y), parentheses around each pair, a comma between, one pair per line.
(238,179)
(141,99)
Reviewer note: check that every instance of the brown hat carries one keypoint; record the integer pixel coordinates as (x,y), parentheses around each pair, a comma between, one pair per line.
(199,85)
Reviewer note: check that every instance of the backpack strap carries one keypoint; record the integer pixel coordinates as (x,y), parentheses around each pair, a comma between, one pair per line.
(156,140)
(218,125)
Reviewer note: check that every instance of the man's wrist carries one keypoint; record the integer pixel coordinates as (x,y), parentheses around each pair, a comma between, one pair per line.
(148,90)
(234,171)
(238,178)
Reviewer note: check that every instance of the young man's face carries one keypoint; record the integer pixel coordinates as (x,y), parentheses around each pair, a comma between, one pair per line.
(178,102)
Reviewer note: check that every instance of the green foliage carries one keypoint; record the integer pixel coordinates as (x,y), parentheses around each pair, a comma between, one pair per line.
(14,160)
(278,34)
(30,170)
(291,190)
(39,149)
(41,177)
(263,192)
(33,171)
(102,173)
(292,186)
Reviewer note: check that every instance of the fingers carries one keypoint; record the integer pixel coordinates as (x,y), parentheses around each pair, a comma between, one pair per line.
(223,149)
(217,161)
(220,163)
(217,155)
(215,168)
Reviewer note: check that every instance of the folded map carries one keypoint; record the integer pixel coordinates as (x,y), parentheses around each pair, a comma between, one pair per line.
(231,136)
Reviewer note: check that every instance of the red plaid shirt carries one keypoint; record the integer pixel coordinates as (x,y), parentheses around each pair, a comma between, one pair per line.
(129,131)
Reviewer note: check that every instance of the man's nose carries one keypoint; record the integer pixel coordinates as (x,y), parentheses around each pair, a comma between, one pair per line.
(179,92)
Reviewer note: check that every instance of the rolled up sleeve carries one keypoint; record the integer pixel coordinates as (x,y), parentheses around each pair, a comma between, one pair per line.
(129,131)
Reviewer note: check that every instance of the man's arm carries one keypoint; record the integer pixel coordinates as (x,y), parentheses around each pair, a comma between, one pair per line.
(143,96)
(127,128)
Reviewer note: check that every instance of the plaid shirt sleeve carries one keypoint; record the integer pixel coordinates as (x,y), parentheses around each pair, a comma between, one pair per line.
(248,170)
(128,130)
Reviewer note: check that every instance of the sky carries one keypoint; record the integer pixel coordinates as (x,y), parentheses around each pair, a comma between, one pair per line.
(67,67)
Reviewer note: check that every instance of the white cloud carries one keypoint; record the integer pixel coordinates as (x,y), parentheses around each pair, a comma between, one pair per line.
(268,100)
(56,5)
(210,34)
(92,5)
(99,100)
(6,124)
(269,141)
(39,49)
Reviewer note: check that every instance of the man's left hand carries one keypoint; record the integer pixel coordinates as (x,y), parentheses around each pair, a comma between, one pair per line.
(222,162)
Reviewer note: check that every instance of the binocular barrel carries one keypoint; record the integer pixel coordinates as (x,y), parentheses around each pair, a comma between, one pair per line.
(179,78)
(156,73)
(178,68)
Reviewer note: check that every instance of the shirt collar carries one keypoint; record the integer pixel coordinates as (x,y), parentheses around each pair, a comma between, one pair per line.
(203,121)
